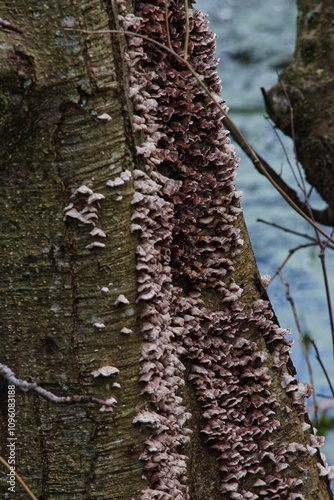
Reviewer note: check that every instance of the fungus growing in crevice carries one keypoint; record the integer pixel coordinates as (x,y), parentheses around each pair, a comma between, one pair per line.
(95,197)
(115,183)
(105,371)
(111,403)
(84,208)
(98,323)
(95,244)
(103,118)
(121,300)
(126,331)
(98,232)
(188,242)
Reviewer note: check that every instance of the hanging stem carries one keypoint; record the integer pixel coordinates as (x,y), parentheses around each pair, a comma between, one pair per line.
(328,294)
(169,41)
(301,336)
(25,386)
(20,480)
(287,230)
(291,252)
(186,41)
(322,366)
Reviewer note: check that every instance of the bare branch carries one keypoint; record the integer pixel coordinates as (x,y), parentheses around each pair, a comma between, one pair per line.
(284,150)
(322,366)
(328,294)
(301,336)
(25,386)
(294,140)
(304,235)
(291,252)
(186,41)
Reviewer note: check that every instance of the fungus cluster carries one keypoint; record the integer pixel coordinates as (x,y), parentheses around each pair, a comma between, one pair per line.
(84,207)
(119,181)
(185,210)
(105,371)
(161,368)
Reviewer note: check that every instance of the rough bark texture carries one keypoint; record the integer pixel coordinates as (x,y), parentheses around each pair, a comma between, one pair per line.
(54,83)
(309,85)
(207,405)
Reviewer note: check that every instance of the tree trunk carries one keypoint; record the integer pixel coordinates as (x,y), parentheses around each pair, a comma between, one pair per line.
(103,133)
(308,83)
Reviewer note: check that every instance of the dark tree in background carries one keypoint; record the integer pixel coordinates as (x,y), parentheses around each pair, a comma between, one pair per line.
(127,271)
(308,82)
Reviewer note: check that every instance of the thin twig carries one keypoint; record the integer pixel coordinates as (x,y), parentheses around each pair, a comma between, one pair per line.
(9,26)
(169,41)
(328,294)
(322,366)
(291,252)
(227,120)
(301,336)
(186,41)
(323,245)
(20,480)
(284,150)
(25,386)
(294,143)
(304,235)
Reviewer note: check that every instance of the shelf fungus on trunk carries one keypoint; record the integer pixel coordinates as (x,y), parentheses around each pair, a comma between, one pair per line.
(185,211)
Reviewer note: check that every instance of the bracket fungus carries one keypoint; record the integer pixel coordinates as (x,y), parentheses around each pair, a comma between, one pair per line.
(105,371)
(121,300)
(98,232)
(95,244)
(84,208)
(82,190)
(103,118)
(111,403)
(98,323)
(126,331)
(187,250)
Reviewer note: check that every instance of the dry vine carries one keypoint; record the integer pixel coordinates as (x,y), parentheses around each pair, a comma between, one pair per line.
(25,386)
(19,478)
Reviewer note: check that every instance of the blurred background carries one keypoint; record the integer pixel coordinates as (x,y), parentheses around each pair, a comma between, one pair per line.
(255,41)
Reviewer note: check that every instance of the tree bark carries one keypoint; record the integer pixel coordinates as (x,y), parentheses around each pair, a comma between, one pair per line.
(207,405)
(308,83)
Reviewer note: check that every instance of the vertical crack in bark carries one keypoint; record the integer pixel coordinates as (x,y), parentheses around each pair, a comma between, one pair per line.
(122,73)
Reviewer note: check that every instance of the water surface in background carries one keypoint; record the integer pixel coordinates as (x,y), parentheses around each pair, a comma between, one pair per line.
(255,39)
